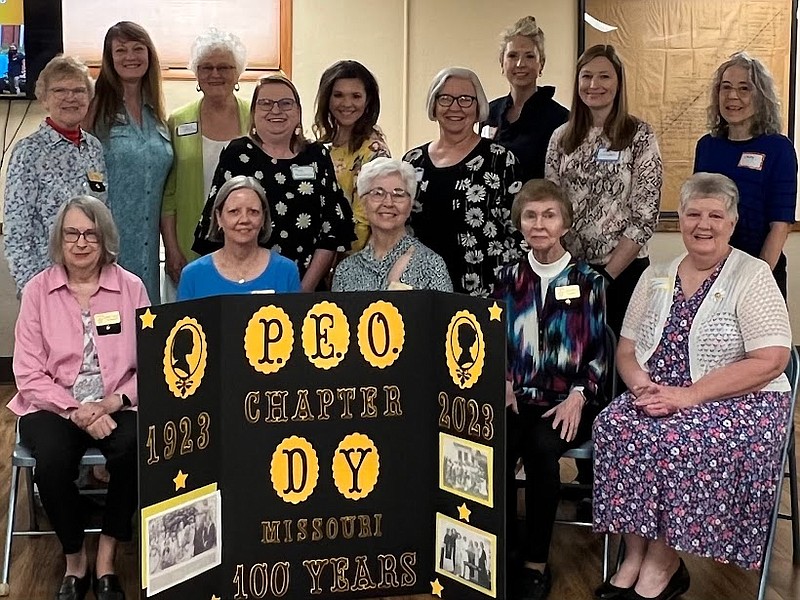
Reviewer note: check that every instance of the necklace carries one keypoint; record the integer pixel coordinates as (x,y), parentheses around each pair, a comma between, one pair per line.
(238,272)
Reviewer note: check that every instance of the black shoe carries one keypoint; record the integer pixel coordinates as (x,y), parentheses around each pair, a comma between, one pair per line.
(609,591)
(108,587)
(74,588)
(534,585)
(677,585)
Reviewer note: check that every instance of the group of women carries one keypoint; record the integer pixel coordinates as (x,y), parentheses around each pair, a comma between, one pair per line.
(250,204)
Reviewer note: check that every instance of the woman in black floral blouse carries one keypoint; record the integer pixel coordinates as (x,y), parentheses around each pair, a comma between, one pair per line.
(311,218)
(462,210)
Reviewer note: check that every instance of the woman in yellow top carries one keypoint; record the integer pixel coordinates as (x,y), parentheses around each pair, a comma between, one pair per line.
(347,108)
(200,130)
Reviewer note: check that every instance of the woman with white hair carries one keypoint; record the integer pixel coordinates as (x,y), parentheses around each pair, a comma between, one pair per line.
(745,143)
(689,458)
(200,130)
(241,220)
(462,209)
(392,259)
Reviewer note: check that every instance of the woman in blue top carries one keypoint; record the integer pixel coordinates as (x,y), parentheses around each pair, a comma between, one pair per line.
(241,220)
(127,114)
(745,144)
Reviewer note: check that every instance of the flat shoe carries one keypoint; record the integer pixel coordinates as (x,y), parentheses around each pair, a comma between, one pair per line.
(108,587)
(609,591)
(74,588)
(677,585)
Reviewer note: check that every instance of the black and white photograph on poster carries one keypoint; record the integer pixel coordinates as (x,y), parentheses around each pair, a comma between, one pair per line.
(183,541)
(466,469)
(466,554)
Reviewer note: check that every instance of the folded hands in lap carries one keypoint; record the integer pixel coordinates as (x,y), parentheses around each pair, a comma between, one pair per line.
(94,418)
(662,400)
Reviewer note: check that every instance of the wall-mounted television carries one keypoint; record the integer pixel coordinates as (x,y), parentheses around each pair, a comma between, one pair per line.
(30,35)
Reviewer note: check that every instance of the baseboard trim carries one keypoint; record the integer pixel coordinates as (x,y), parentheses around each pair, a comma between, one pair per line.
(6,370)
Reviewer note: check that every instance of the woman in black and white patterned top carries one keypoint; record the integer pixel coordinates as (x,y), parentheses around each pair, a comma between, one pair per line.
(462,209)
(311,219)
(609,164)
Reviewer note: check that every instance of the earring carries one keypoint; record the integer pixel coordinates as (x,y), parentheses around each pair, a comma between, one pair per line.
(198,87)
(236,87)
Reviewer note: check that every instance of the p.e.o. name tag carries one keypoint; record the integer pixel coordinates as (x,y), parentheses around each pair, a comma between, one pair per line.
(108,323)
(752,160)
(303,173)
(567,292)
(605,155)
(187,129)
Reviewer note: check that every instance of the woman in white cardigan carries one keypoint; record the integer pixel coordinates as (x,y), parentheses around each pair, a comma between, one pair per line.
(689,458)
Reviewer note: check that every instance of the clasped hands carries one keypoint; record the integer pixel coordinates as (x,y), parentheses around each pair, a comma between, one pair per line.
(662,400)
(95,417)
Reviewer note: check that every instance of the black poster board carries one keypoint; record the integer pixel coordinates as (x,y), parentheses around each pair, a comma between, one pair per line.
(322,445)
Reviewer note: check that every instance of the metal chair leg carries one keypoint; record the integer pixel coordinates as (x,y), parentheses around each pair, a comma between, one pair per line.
(33,519)
(794,510)
(762,584)
(12,504)
(606,553)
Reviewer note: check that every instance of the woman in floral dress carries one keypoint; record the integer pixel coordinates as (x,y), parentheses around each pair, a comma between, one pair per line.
(689,458)
(311,218)
(462,210)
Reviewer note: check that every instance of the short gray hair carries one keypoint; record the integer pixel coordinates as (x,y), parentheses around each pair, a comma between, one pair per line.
(710,185)
(240,182)
(383,166)
(213,40)
(100,215)
(459,73)
(63,67)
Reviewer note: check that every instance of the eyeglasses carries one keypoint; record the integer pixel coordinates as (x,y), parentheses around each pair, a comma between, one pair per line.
(62,93)
(72,235)
(379,195)
(464,101)
(284,104)
(207,70)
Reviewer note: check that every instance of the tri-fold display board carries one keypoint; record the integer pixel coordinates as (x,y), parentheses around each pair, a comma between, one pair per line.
(322,446)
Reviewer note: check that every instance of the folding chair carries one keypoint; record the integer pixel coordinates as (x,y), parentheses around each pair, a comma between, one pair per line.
(790,460)
(21,459)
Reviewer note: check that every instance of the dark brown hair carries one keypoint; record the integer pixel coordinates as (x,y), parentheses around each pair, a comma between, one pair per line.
(298,142)
(325,126)
(108,89)
(620,127)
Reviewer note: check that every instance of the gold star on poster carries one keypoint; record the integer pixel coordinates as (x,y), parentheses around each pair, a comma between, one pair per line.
(464,512)
(180,480)
(436,588)
(148,319)
(215,597)
(494,312)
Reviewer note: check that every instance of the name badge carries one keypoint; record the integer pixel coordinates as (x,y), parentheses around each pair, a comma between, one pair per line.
(567,292)
(253,292)
(303,173)
(605,155)
(396,286)
(108,322)
(488,132)
(186,129)
(752,160)
(97,181)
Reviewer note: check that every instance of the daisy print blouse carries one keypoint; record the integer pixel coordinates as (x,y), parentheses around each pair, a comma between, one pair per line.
(463,213)
(309,211)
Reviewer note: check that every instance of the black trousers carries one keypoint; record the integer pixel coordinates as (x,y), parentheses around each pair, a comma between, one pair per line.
(58,444)
(540,446)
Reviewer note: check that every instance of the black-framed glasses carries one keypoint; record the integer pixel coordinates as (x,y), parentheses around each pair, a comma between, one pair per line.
(72,235)
(284,104)
(397,195)
(207,70)
(464,100)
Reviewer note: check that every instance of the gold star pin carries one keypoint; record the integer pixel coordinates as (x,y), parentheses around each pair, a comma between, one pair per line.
(436,588)
(180,480)
(148,319)
(494,312)
(464,512)
(215,597)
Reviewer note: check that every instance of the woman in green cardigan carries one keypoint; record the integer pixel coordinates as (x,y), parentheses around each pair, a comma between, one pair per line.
(200,130)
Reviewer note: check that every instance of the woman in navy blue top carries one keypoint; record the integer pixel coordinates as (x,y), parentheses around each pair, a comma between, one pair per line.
(745,144)
(241,219)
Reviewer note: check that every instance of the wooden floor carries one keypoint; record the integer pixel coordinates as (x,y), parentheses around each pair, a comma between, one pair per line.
(37,565)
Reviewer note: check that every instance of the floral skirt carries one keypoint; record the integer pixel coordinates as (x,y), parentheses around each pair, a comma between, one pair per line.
(702,480)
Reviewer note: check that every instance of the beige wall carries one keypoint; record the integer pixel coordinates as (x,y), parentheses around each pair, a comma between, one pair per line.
(406,42)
